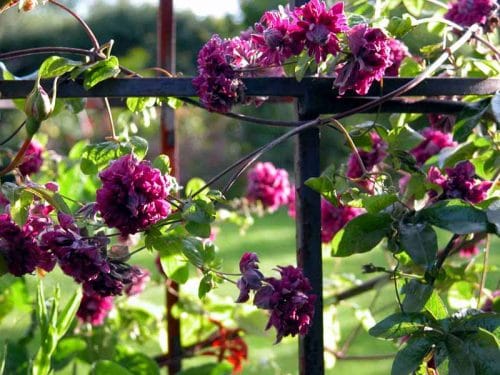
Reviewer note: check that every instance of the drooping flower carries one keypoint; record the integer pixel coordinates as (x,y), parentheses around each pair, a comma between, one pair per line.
(218,85)
(133,195)
(20,251)
(32,161)
(290,301)
(398,53)
(251,278)
(469,12)
(370,57)
(115,281)
(138,282)
(433,143)
(370,160)
(334,218)
(94,308)
(459,182)
(269,185)
(319,28)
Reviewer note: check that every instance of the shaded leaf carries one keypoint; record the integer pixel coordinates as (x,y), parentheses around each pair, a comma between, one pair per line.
(106,367)
(411,356)
(399,325)
(467,120)
(416,295)
(459,361)
(419,240)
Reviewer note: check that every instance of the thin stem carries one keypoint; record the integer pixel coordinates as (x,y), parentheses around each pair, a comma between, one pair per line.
(446,251)
(353,147)
(485,271)
(43,50)
(136,251)
(110,118)
(18,159)
(84,24)
(13,134)
(358,289)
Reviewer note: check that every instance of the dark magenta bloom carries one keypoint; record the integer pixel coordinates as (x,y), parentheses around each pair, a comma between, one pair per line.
(468,12)
(370,160)
(318,27)
(138,282)
(115,281)
(251,278)
(32,161)
(269,185)
(218,84)
(459,182)
(334,218)
(371,55)
(290,301)
(398,53)
(19,250)
(469,252)
(133,195)
(433,143)
(94,308)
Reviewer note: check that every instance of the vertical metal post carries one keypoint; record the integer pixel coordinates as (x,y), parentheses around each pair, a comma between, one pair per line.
(166,60)
(308,236)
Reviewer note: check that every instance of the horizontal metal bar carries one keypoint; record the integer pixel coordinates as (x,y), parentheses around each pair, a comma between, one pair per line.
(320,87)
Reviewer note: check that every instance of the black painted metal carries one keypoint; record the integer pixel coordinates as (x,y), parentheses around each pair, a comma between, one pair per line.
(321,87)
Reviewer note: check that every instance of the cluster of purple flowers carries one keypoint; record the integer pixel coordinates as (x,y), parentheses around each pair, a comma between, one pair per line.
(269,185)
(434,142)
(469,12)
(133,195)
(285,33)
(370,160)
(458,182)
(288,299)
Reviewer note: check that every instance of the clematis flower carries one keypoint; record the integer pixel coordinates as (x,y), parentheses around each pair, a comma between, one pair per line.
(398,53)
(94,308)
(269,185)
(133,195)
(371,55)
(433,143)
(318,27)
(115,281)
(469,12)
(32,161)
(251,278)
(459,182)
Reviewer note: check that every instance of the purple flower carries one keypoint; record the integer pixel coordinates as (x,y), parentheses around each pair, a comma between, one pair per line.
(334,218)
(32,161)
(459,183)
(319,27)
(371,55)
(290,302)
(138,282)
(433,143)
(398,53)
(468,12)
(370,160)
(20,251)
(217,84)
(94,308)
(114,281)
(251,278)
(468,252)
(133,195)
(269,185)
(490,302)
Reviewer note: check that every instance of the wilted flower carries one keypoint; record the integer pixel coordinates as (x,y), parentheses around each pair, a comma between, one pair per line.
(251,278)
(433,143)
(370,56)
(318,27)
(290,302)
(94,308)
(217,84)
(269,185)
(459,182)
(133,195)
(334,218)
(32,161)
(468,12)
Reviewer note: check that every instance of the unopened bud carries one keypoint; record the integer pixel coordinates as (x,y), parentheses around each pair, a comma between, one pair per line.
(38,104)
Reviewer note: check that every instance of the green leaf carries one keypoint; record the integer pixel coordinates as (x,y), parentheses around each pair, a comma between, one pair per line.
(467,120)
(493,215)
(139,104)
(399,325)
(222,368)
(403,138)
(399,27)
(198,229)
(191,250)
(488,321)
(455,216)
(411,356)
(101,71)
(139,146)
(325,186)
(376,203)
(162,162)
(409,67)
(54,199)
(68,313)
(419,240)
(435,306)
(20,208)
(459,361)
(106,367)
(67,349)
(303,63)
(414,6)
(206,285)
(483,349)
(416,186)
(56,66)
(169,243)
(139,364)
(193,185)
(361,234)
(175,267)
(416,295)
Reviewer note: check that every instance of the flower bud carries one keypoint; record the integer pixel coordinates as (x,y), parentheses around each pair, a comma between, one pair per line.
(38,104)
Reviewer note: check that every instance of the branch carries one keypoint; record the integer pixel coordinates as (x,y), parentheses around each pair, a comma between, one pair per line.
(43,50)
(359,289)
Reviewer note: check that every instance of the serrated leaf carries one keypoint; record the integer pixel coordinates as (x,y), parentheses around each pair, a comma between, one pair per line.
(101,71)
(455,216)
(399,325)
(198,229)
(56,66)
(411,356)
(419,240)
(361,234)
